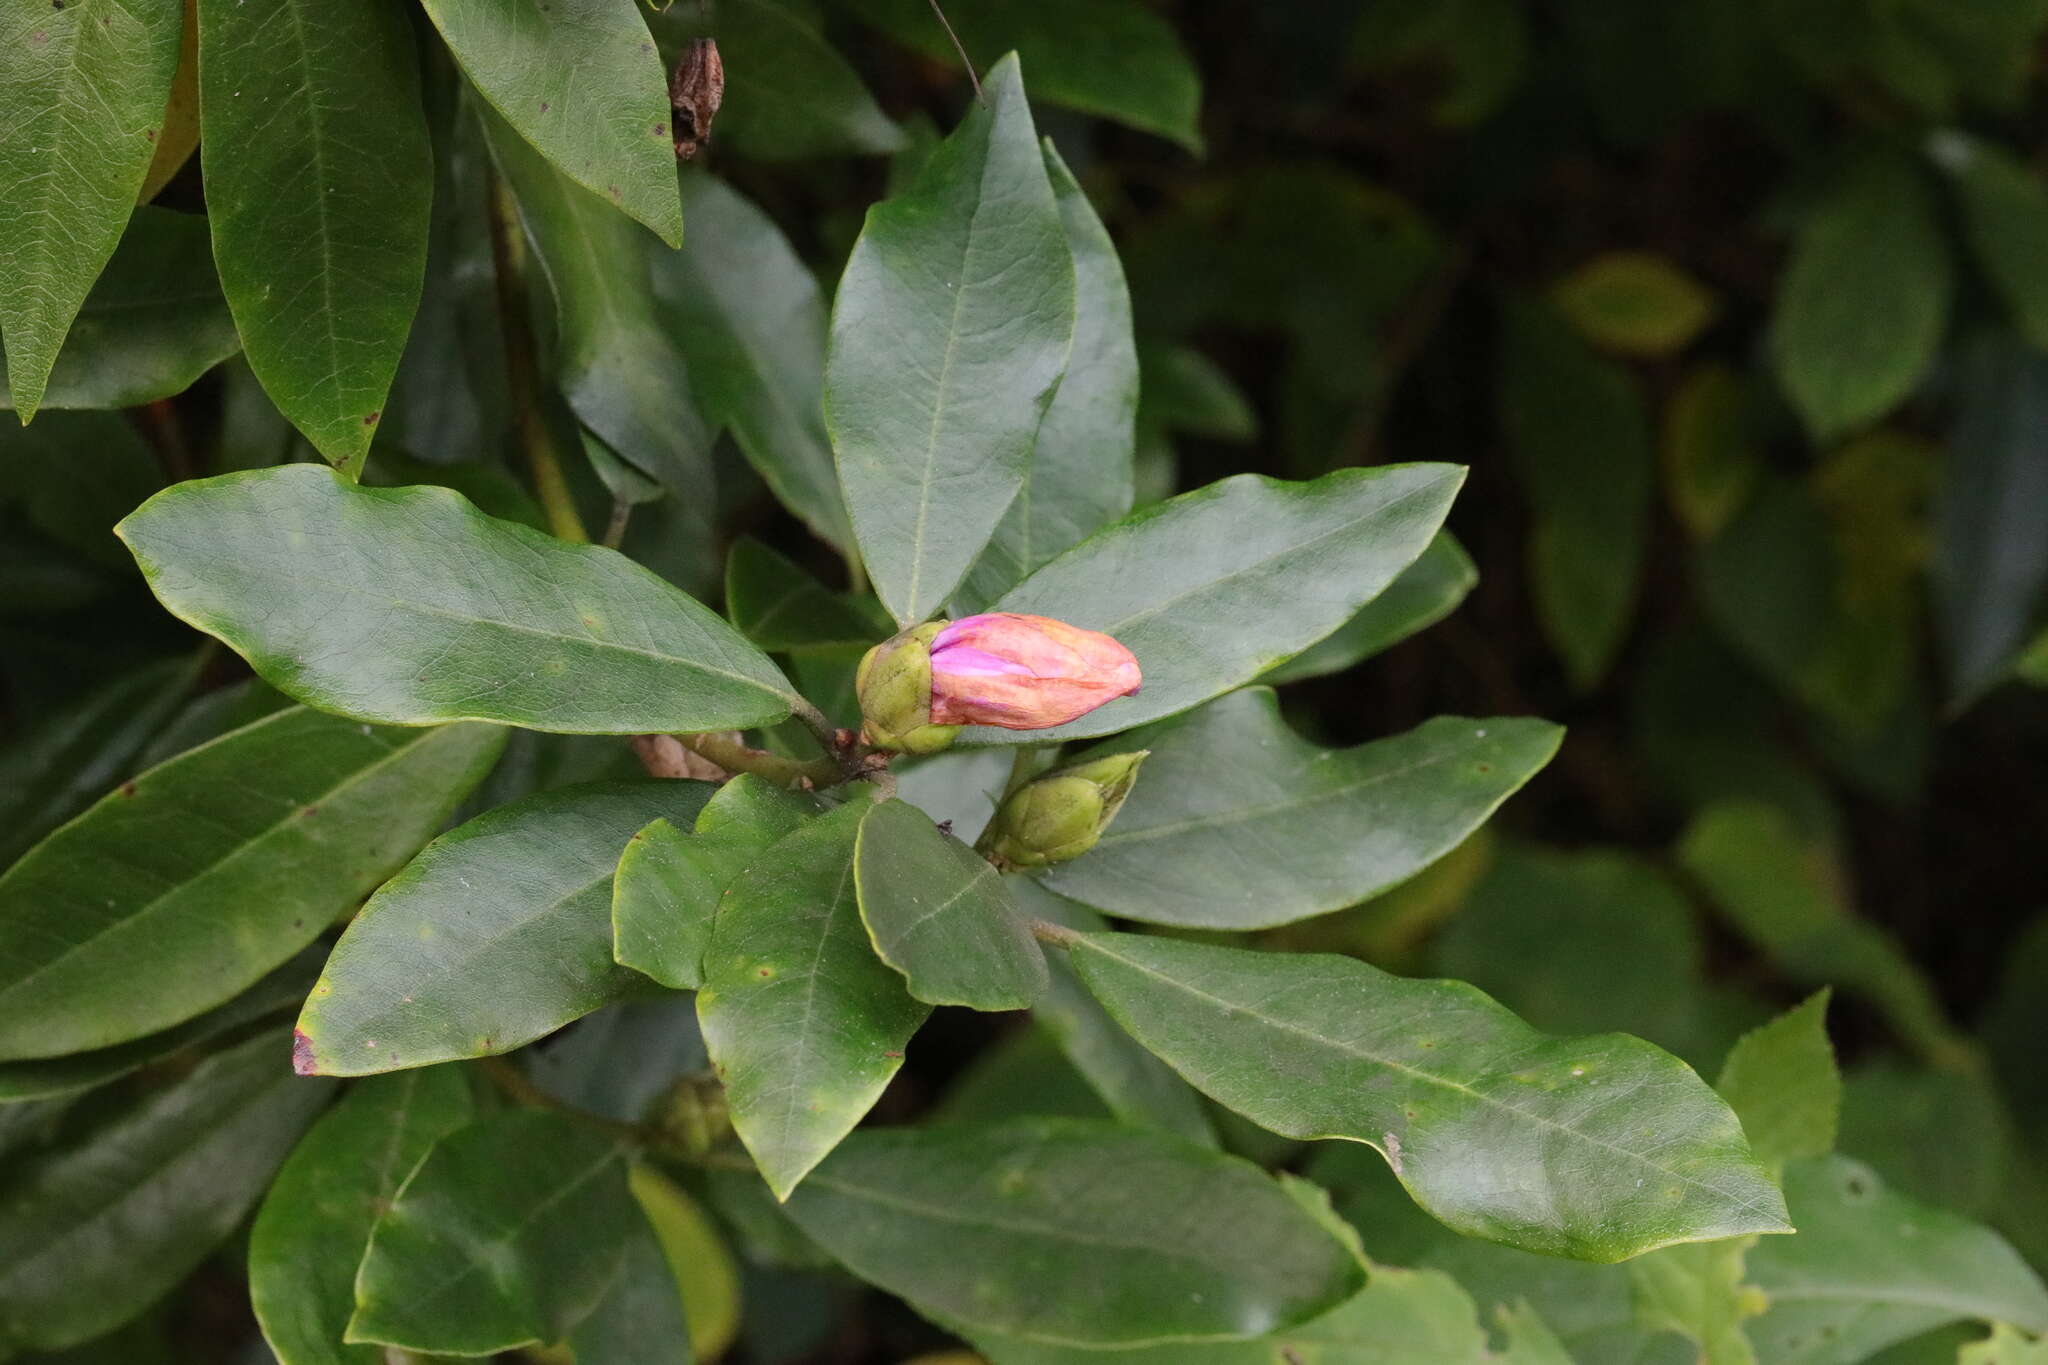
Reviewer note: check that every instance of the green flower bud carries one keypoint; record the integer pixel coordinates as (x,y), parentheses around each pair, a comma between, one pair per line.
(895,688)
(1060,816)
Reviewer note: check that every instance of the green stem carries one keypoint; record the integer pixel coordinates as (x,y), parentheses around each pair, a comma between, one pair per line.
(814,720)
(735,757)
(522,367)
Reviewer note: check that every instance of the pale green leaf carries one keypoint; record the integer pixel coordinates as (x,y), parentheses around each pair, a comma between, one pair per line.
(1782,1083)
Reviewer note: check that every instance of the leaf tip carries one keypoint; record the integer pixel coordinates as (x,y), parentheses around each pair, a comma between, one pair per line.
(303,1060)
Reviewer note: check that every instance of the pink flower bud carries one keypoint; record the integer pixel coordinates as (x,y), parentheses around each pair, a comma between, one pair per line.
(1024,672)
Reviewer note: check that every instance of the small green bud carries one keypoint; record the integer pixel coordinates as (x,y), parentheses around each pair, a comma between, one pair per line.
(1060,816)
(895,688)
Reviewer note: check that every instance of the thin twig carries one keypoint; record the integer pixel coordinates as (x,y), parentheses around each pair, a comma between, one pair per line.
(960,48)
(725,749)
(622,512)
(522,366)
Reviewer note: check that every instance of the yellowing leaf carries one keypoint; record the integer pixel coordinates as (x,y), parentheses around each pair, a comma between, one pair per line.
(1635,302)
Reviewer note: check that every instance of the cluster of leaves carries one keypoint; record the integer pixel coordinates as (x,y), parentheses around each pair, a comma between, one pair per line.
(606,1036)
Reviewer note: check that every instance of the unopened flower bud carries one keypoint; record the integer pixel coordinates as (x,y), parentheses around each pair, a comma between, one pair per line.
(1024,672)
(1060,816)
(895,688)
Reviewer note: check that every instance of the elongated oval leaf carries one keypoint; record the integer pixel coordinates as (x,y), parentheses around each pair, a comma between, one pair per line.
(666,891)
(804,1024)
(778,606)
(949,334)
(1426,591)
(1073,1232)
(640,1319)
(310,1233)
(209,870)
(500,931)
(1239,823)
(1598,1148)
(746,310)
(97,1231)
(938,913)
(409,606)
(1080,474)
(1212,588)
(153,323)
(581,81)
(86,86)
(319,178)
(508,1234)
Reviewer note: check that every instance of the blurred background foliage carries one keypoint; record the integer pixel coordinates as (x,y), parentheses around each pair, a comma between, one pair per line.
(1736,309)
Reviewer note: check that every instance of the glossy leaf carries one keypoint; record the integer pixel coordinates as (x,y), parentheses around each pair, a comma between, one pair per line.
(2005,220)
(1425,592)
(409,606)
(619,369)
(309,1236)
(319,180)
(1635,302)
(804,1024)
(87,84)
(1871,1267)
(938,913)
(44,1078)
(581,81)
(746,311)
(1239,823)
(667,888)
(1115,58)
(1136,1087)
(1214,587)
(98,1230)
(1844,352)
(508,1234)
(778,606)
(950,332)
(209,870)
(1496,1130)
(500,931)
(1013,1228)
(1080,473)
(1781,1080)
(154,322)
(1581,441)
(1990,561)
(788,93)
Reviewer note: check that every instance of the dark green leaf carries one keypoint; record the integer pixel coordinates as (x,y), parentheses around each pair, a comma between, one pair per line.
(1110,57)
(213,715)
(1581,438)
(1781,1081)
(1214,587)
(1844,351)
(620,1060)
(76,1071)
(1871,1267)
(581,81)
(620,370)
(409,606)
(746,311)
(310,1233)
(153,323)
(949,336)
(58,767)
(507,1235)
(1496,1130)
(97,1231)
(778,606)
(640,1319)
(805,1025)
(938,913)
(1015,1229)
(1080,474)
(499,932)
(2005,218)
(1426,592)
(668,883)
(1712,449)
(788,94)
(1134,1085)
(960,786)
(204,873)
(1239,823)
(319,181)
(87,85)
(1991,560)
(74,474)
